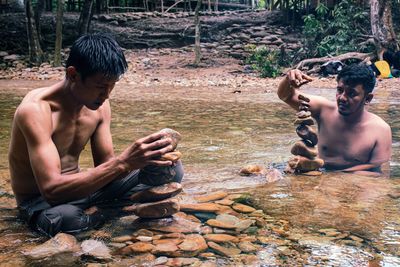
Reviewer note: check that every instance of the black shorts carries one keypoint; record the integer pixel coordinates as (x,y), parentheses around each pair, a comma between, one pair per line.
(70,217)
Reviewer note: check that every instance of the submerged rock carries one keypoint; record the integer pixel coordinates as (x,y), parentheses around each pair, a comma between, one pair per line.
(300,148)
(170,225)
(211,197)
(228,251)
(62,249)
(155,210)
(221,238)
(95,249)
(242,208)
(251,169)
(305,164)
(200,207)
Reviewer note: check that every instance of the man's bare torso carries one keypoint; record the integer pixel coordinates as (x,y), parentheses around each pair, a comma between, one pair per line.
(342,144)
(70,134)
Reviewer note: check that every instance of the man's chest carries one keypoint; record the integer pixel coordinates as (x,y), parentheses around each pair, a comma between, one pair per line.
(350,143)
(71,135)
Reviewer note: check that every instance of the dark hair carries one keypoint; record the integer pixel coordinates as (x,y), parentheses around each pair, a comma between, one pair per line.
(97,53)
(356,74)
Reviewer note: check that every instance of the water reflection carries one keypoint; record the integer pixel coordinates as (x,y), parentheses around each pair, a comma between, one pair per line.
(222,135)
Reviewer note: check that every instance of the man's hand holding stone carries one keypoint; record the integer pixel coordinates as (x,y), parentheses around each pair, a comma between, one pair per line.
(147,151)
(297,78)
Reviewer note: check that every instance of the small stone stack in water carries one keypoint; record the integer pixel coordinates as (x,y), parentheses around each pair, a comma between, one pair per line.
(306,154)
(157,202)
(155,175)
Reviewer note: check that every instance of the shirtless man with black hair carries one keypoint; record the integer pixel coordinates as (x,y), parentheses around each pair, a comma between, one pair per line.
(351,139)
(51,127)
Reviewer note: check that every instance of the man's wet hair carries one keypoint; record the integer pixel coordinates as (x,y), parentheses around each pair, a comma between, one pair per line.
(356,74)
(97,53)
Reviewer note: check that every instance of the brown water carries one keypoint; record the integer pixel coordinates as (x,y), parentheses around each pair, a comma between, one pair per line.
(225,132)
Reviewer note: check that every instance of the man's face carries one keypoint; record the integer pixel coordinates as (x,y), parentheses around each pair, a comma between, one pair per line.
(94,90)
(350,99)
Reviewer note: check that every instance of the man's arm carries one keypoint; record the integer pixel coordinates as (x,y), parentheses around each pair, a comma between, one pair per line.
(381,152)
(35,121)
(101,140)
(288,91)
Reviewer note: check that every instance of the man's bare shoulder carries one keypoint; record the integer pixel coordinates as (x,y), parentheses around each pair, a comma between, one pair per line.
(377,123)
(33,105)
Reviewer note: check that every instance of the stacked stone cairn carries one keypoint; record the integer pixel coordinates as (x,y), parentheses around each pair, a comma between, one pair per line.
(158,201)
(306,159)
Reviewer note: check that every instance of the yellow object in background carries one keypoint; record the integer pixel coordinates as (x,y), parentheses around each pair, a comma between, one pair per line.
(383,68)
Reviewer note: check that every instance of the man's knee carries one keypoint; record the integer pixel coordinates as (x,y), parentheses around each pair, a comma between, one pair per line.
(63,218)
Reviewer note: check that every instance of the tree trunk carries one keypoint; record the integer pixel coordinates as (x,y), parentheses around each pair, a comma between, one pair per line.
(35,51)
(197,49)
(59,20)
(382,25)
(38,14)
(216,5)
(85,17)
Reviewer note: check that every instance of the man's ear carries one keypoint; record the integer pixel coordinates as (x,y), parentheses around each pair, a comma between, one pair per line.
(71,73)
(368,98)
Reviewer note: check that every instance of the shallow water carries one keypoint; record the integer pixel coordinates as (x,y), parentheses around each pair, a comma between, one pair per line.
(222,134)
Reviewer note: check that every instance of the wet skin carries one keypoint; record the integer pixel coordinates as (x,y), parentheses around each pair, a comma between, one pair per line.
(51,127)
(350,138)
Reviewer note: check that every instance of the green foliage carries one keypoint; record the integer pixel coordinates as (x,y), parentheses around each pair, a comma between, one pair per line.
(261,4)
(264,60)
(333,32)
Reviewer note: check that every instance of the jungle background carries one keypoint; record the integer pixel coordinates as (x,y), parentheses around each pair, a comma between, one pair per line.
(268,36)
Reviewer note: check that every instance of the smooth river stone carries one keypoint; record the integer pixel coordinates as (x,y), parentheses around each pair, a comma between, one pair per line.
(211,197)
(157,193)
(303,98)
(173,156)
(61,250)
(141,247)
(174,135)
(224,251)
(304,104)
(303,114)
(312,173)
(122,239)
(167,249)
(221,238)
(155,210)
(242,208)
(174,225)
(273,175)
(300,148)
(224,202)
(220,224)
(168,240)
(247,247)
(307,133)
(181,261)
(200,207)
(157,175)
(251,169)
(192,246)
(304,164)
(304,121)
